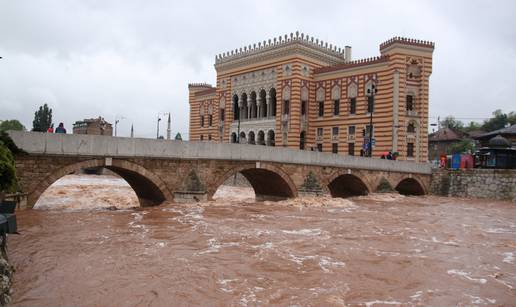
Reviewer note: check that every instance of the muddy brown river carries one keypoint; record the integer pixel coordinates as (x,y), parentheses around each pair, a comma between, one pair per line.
(377,250)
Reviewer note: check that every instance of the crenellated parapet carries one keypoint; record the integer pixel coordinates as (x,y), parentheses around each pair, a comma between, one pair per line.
(407,41)
(352,64)
(333,53)
(200,85)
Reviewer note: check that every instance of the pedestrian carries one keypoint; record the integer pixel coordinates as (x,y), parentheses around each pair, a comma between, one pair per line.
(51,129)
(61,128)
(389,156)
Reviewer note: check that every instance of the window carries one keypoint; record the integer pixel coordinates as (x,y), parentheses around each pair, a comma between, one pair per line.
(336,107)
(319,147)
(352,105)
(302,140)
(321,108)
(202,137)
(351,130)
(209,137)
(320,132)
(410,102)
(410,149)
(210,120)
(303,107)
(335,148)
(351,149)
(411,128)
(286,107)
(335,131)
(222,114)
(202,121)
(370,104)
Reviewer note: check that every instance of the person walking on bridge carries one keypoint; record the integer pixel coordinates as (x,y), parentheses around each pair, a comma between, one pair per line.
(61,128)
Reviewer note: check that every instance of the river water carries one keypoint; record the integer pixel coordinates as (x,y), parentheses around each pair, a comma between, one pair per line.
(377,250)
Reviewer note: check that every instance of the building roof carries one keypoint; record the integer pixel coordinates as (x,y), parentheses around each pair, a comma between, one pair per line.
(446,134)
(504,131)
(298,43)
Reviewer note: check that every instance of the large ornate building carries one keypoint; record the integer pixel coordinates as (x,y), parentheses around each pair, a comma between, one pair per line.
(297,91)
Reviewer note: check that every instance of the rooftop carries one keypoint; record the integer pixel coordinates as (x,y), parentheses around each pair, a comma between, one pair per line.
(331,51)
(504,131)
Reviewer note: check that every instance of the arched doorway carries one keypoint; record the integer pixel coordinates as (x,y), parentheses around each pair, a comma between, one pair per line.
(251,138)
(271,138)
(347,185)
(233,137)
(261,138)
(242,139)
(410,186)
(302,140)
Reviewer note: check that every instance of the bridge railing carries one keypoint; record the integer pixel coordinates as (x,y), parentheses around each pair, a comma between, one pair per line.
(106,146)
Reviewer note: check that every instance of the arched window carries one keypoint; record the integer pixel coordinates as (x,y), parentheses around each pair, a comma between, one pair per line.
(262,104)
(335,96)
(233,137)
(302,140)
(236,109)
(272,96)
(222,106)
(304,101)
(352,95)
(410,102)
(411,127)
(319,95)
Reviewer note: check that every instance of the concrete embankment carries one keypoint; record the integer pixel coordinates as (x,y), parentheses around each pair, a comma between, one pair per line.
(479,183)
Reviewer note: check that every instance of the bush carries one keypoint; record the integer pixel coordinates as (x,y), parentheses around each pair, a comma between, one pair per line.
(8,182)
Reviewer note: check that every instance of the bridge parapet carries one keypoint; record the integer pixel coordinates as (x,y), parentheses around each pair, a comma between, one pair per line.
(119,147)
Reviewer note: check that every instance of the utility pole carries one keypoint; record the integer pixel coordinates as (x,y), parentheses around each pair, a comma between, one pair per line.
(132,131)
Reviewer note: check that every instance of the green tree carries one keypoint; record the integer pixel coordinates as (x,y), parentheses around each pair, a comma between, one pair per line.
(12,124)
(462,147)
(472,126)
(42,119)
(511,118)
(8,182)
(498,121)
(451,122)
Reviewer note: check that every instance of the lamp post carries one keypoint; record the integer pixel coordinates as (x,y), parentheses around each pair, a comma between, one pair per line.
(371,92)
(157,129)
(117,120)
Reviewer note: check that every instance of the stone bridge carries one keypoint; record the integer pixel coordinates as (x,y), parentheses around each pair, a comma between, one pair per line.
(165,170)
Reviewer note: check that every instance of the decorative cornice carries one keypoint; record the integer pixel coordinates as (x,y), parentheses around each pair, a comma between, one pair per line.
(407,41)
(352,64)
(299,43)
(206,92)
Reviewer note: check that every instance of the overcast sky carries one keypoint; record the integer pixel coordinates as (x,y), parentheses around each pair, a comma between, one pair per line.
(134,59)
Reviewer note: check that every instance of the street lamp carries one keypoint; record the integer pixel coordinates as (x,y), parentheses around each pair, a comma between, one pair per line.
(117,120)
(370,102)
(157,130)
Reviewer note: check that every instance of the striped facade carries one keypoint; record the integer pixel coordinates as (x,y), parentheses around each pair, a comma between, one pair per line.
(299,92)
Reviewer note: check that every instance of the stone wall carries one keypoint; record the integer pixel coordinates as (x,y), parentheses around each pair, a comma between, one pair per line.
(478,183)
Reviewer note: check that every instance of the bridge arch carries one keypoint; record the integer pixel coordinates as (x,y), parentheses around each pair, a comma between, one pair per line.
(268,181)
(347,184)
(410,186)
(149,188)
